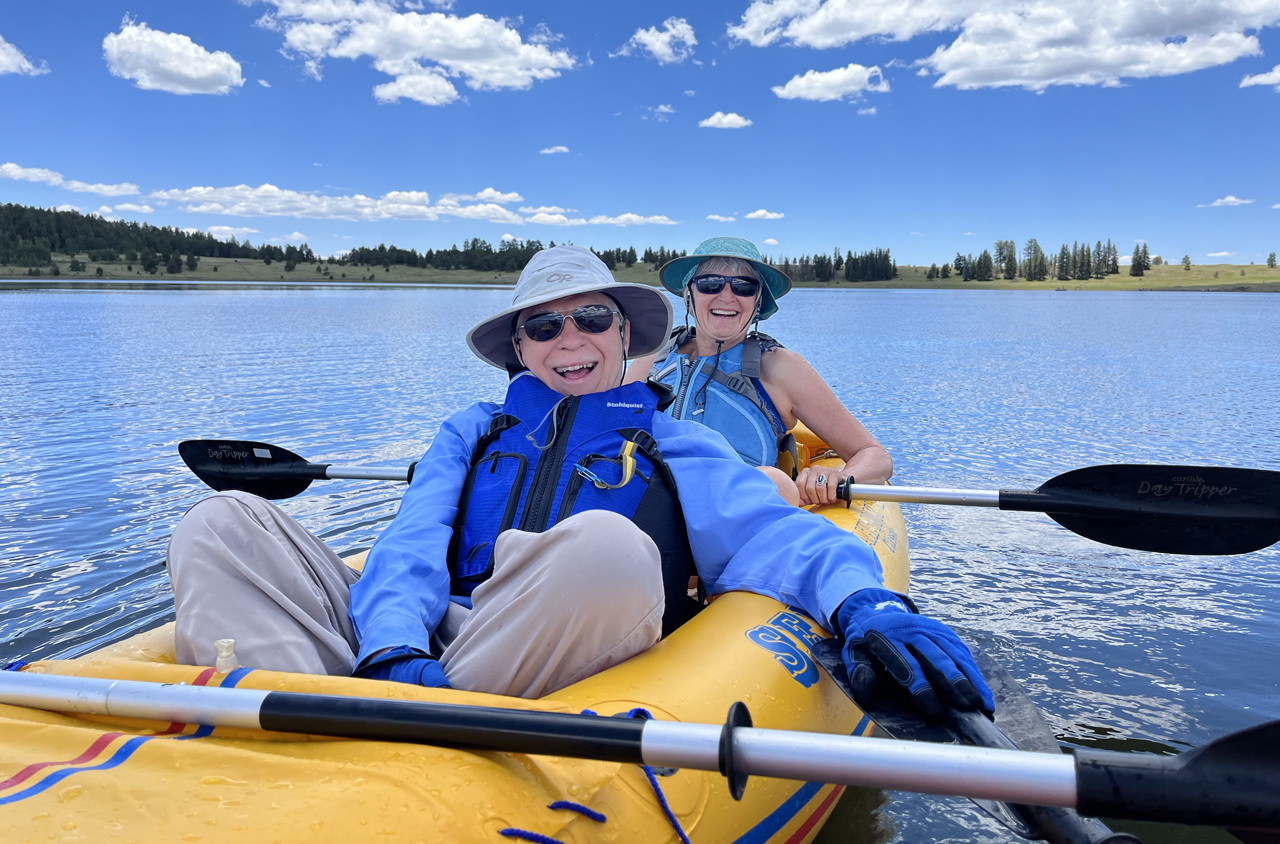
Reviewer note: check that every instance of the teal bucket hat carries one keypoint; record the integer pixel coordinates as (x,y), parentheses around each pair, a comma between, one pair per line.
(676,275)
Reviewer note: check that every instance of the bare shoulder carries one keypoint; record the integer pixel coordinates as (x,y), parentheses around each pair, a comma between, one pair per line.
(780,363)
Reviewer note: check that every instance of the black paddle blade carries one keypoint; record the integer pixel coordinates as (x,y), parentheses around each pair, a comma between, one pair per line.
(1167,509)
(1018,724)
(260,468)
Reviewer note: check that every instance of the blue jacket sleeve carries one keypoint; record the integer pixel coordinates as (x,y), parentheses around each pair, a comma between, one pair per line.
(745,537)
(403,592)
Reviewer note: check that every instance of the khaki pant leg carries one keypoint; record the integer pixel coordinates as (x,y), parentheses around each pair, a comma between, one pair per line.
(561,606)
(241,568)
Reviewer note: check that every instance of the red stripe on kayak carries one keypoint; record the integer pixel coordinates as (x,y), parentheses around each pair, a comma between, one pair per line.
(94,749)
(177,726)
(818,814)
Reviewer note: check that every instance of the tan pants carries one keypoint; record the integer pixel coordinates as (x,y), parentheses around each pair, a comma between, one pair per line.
(561,605)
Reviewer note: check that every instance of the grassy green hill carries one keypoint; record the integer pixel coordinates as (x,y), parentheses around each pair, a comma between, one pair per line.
(1170,277)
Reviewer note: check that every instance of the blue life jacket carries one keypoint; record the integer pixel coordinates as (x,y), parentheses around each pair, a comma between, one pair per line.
(547,456)
(727,395)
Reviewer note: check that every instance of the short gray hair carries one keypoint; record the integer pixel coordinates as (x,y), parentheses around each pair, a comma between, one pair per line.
(728,266)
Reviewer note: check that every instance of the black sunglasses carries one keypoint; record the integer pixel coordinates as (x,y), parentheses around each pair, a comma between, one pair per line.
(592,319)
(713,283)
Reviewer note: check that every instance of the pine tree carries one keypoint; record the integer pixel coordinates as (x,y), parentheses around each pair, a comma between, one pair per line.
(1271,260)
(945,272)
(1136,264)
(932,273)
(983,268)
(1064,264)
(1186,261)
(1146,257)
(1099,261)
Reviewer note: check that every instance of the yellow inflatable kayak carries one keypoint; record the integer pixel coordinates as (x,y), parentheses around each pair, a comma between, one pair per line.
(89,778)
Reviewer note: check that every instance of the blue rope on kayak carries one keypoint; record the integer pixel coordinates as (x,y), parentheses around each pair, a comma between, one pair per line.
(16,665)
(638,712)
(526,835)
(580,809)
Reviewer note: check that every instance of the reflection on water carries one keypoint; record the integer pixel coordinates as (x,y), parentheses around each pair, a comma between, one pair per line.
(975,390)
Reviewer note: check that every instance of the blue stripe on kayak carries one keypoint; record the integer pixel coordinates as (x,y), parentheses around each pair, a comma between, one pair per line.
(233,678)
(122,754)
(790,807)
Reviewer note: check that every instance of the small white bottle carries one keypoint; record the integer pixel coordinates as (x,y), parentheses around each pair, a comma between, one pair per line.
(227,660)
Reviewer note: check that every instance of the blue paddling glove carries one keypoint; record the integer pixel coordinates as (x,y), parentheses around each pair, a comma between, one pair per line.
(922,654)
(405,665)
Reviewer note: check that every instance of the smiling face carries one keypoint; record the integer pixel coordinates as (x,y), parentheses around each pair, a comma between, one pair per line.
(723,316)
(575,362)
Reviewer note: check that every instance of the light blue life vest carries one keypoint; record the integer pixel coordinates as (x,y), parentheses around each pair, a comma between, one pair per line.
(547,456)
(727,395)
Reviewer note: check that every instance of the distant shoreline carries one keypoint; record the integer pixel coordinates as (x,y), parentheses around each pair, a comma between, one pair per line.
(259,274)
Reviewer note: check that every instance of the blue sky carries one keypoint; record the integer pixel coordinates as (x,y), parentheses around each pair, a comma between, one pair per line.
(929,128)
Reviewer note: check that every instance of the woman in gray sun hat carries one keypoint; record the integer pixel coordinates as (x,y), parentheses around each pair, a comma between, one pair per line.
(729,376)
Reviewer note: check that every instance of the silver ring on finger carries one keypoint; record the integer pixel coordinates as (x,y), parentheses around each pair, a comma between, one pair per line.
(821,480)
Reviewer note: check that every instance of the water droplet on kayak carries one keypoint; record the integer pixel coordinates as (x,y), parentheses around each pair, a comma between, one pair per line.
(70,793)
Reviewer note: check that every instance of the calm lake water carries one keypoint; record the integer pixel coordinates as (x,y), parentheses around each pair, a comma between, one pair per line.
(967,389)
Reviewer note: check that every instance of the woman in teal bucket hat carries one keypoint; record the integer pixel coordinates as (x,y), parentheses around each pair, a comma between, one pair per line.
(745,384)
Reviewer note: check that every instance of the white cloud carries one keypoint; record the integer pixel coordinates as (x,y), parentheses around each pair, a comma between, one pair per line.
(720,120)
(9,170)
(540,34)
(293,237)
(13,61)
(553,150)
(762,214)
(601,220)
(548,209)
(68,207)
(1271,77)
(422,52)
(969,234)
(228,232)
(1277,205)
(271,201)
(486,195)
(720,219)
(1220,254)
(662,112)
(168,61)
(264,83)
(547,218)
(136,209)
(690,93)
(770,241)
(1033,44)
(670,45)
(631,220)
(428,87)
(507,237)
(824,86)
(867,111)
(1226,200)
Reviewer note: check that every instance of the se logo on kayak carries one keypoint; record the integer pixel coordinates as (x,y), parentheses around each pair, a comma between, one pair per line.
(772,638)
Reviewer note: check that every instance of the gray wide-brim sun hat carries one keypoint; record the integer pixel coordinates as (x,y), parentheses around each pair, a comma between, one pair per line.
(569,271)
(676,275)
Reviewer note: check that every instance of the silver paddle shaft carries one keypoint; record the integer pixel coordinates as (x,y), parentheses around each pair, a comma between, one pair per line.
(362,473)
(1016,776)
(922,495)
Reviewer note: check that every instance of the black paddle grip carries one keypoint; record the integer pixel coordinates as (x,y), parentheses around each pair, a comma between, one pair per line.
(451,725)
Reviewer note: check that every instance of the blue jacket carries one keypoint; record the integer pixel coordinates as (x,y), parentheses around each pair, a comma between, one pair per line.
(743,535)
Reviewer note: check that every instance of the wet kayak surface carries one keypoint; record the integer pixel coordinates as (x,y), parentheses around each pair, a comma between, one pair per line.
(968,389)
